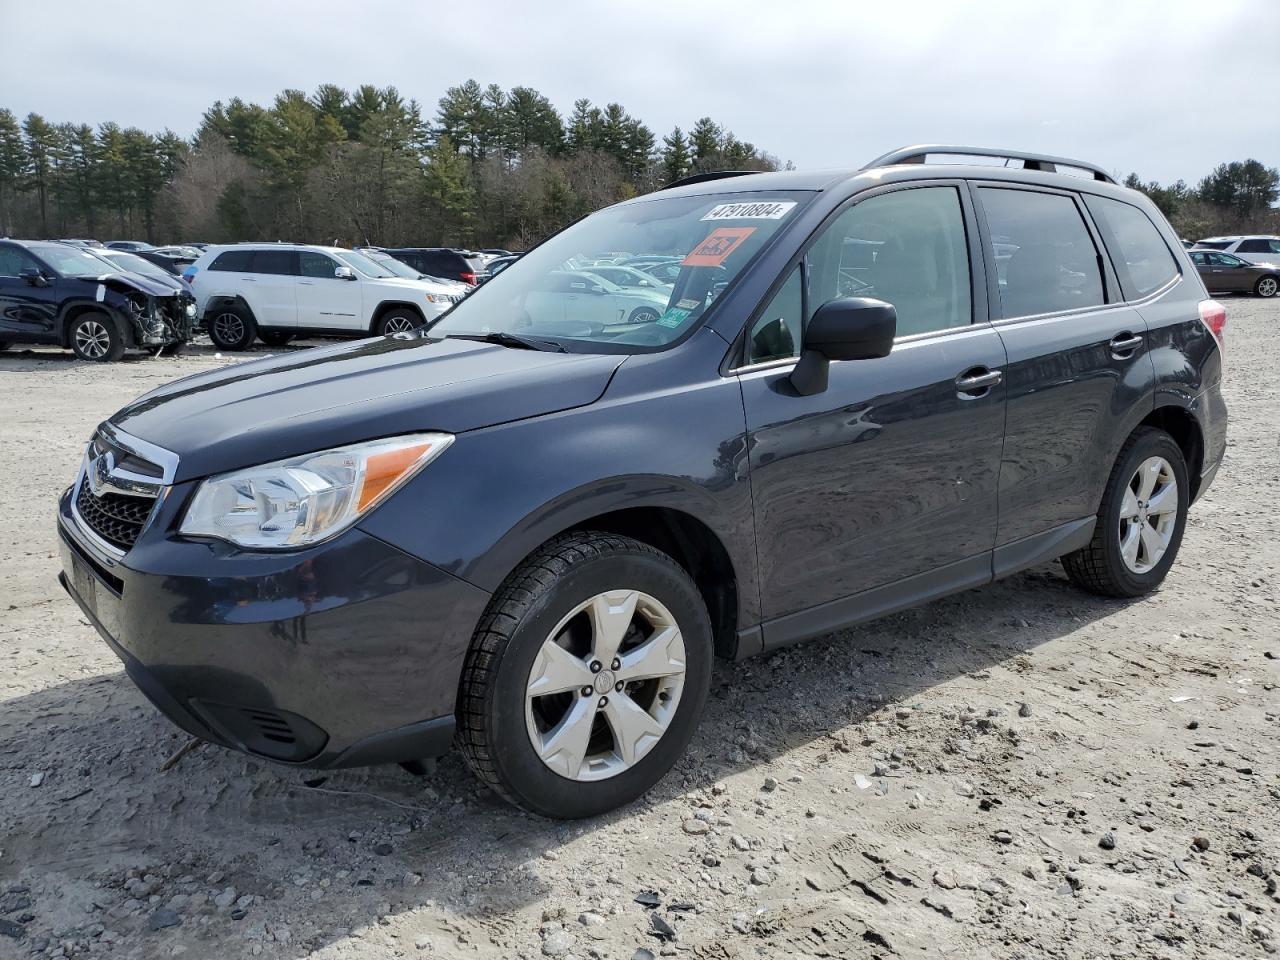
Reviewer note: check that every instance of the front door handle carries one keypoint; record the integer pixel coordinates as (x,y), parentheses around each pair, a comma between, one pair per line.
(1125,343)
(976,382)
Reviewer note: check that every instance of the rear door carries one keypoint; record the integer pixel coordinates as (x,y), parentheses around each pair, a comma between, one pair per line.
(272,284)
(326,302)
(886,479)
(1078,358)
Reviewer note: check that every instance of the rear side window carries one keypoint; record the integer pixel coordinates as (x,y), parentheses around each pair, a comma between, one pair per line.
(1259,245)
(280,262)
(1140,255)
(1045,259)
(233,260)
(439,263)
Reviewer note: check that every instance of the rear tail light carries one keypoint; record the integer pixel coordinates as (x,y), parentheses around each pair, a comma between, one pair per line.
(469,277)
(1214,316)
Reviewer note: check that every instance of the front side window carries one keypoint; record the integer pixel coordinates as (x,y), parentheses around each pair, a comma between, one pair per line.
(316,265)
(907,248)
(1148,264)
(712,236)
(1226,260)
(1046,261)
(1256,245)
(13,260)
(777,331)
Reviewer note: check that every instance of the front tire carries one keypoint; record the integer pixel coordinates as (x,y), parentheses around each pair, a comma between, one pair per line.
(400,320)
(96,337)
(1140,522)
(643,315)
(232,328)
(586,676)
(1266,287)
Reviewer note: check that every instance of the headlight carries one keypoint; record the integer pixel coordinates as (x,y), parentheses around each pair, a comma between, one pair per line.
(297,502)
(191,309)
(439,298)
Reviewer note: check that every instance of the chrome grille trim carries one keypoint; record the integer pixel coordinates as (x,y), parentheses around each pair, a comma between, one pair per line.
(101,472)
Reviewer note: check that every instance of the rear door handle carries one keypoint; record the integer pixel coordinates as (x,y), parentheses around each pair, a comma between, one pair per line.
(975,382)
(1125,343)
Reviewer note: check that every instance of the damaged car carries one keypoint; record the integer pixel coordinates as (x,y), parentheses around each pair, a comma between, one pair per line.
(60,294)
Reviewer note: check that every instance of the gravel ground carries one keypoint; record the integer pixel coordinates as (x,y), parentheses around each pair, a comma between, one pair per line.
(1017,771)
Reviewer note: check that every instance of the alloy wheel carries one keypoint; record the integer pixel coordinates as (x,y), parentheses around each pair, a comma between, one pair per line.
(605,685)
(398,325)
(1267,287)
(229,327)
(92,339)
(1148,514)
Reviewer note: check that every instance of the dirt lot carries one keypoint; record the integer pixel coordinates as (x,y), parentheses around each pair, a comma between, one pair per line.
(1019,771)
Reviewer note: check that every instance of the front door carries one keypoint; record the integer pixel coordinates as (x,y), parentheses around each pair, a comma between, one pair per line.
(326,302)
(891,472)
(27,311)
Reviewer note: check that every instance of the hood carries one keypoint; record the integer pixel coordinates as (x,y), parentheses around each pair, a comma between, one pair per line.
(327,396)
(127,281)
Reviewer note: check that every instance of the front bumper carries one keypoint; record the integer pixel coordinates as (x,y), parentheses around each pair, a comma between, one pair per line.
(346,654)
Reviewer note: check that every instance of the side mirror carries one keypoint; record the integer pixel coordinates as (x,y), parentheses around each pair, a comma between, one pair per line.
(344,273)
(848,328)
(33,276)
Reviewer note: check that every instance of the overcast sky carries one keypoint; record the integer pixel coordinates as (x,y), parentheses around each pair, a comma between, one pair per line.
(1168,88)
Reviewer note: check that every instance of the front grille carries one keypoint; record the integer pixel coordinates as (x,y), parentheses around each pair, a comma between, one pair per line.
(115,518)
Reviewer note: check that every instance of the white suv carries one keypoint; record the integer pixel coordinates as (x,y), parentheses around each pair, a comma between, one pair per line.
(276,291)
(1256,249)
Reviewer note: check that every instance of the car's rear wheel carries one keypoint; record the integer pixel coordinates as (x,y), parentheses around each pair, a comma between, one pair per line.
(96,337)
(586,677)
(1266,287)
(275,338)
(232,328)
(1140,523)
(401,320)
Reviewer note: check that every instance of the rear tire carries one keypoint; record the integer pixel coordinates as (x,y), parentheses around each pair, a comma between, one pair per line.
(275,338)
(1136,538)
(232,328)
(1266,286)
(399,320)
(633,729)
(96,337)
(643,315)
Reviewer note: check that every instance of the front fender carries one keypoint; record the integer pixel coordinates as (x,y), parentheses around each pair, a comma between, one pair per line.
(499,493)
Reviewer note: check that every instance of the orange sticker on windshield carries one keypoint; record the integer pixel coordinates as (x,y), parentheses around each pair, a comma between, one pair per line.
(721,242)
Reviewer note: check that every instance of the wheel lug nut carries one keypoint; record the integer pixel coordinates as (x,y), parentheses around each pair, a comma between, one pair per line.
(618,686)
(596,666)
(617,664)
(586,691)
(603,701)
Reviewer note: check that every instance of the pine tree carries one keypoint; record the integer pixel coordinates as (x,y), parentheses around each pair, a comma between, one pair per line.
(675,155)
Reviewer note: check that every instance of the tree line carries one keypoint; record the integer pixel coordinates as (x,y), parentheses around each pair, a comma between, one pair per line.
(489,167)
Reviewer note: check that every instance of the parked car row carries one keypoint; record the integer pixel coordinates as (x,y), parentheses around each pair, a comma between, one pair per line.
(1239,264)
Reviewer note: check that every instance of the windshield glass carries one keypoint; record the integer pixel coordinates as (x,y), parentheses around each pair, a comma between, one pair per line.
(570,289)
(364,265)
(130,261)
(387,262)
(73,261)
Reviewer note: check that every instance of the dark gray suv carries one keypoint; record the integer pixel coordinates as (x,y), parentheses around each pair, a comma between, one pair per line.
(532,530)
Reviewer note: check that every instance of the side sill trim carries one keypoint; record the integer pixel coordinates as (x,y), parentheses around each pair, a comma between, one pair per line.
(1042,547)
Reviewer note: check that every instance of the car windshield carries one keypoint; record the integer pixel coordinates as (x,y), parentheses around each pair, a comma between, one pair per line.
(553,294)
(387,262)
(129,261)
(366,266)
(73,261)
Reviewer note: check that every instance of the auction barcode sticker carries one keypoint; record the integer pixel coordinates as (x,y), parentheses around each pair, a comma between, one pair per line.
(759,210)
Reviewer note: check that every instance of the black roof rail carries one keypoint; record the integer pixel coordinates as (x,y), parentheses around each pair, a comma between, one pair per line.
(703,177)
(1030,161)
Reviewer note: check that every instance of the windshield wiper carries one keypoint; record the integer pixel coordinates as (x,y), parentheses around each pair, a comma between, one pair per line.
(511,340)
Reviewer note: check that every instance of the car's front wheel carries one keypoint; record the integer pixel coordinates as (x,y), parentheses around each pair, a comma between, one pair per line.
(1140,523)
(586,676)
(643,315)
(399,321)
(97,337)
(232,328)
(1266,287)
